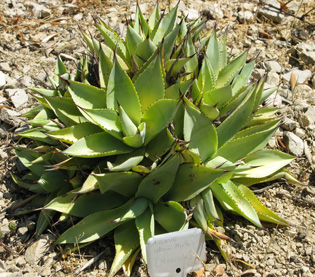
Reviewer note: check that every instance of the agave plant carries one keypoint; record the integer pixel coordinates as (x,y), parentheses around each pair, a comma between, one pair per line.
(153,134)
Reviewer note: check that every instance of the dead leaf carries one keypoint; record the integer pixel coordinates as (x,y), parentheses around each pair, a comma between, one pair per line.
(218,271)
(292,81)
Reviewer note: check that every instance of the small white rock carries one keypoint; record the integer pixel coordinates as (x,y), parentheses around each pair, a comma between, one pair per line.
(306,52)
(300,75)
(2,79)
(273,78)
(273,65)
(293,143)
(17,96)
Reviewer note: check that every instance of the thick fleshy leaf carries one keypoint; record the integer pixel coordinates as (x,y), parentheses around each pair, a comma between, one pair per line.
(126,243)
(191,180)
(169,41)
(242,79)
(27,158)
(263,212)
(145,226)
(192,64)
(230,194)
(133,39)
(159,145)
(150,84)
(213,53)
(94,226)
(262,164)
(245,145)
(80,205)
(218,97)
(154,17)
(126,162)
(170,215)
(97,145)
(31,186)
(59,70)
(200,133)
(53,180)
(166,25)
(136,209)
(120,90)
(199,214)
(87,96)
(36,134)
(158,116)
(266,93)
(125,183)
(143,52)
(209,205)
(156,184)
(105,67)
(173,66)
(227,74)
(107,119)
(65,110)
(75,132)
(231,125)
(114,41)
(127,126)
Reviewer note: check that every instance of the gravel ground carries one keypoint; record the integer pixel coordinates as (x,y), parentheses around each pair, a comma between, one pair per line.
(33,33)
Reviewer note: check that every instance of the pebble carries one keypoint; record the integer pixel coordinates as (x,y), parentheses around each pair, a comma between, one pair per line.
(301,75)
(18,96)
(2,79)
(37,250)
(306,52)
(300,133)
(20,261)
(22,231)
(245,17)
(271,13)
(289,124)
(191,14)
(293,143)
(273,65)
(5,67)
(10,117)
(273,78)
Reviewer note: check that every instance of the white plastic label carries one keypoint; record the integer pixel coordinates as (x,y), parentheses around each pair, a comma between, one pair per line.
(176,253)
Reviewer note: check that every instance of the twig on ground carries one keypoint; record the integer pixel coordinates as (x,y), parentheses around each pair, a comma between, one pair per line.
(296,198)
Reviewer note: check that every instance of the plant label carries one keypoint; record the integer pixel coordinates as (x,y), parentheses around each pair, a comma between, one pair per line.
(176,253)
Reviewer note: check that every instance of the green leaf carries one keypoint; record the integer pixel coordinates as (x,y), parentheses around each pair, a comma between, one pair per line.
(192,65)
(170,215)
(266,93)
(242,79)
(97,145)
(159,145)
(104,67)
(127,126)
(158,116)
(126,243)
(209,205)
(31,186)
(125,183)
(87,96)
(159,181)
(154,17)
(143,52)
(136,209)
(174,66)
(107,119)
(262,164)
(169,41)
(227,74)
(80,205)
(229,127)
(37,135)
(134,141)
(223,53)
(27,158)
(199,214)
(113,41)
(218,97)
(166,25)
(75,132)
(59,70)
(120,90)
(94,226)
(200,133)
(145,226)
(133,39)
(228,193)
(213,54)
(191,180)
(245,145)
(52,181)
(125,162)
(150,84)
(263,212)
